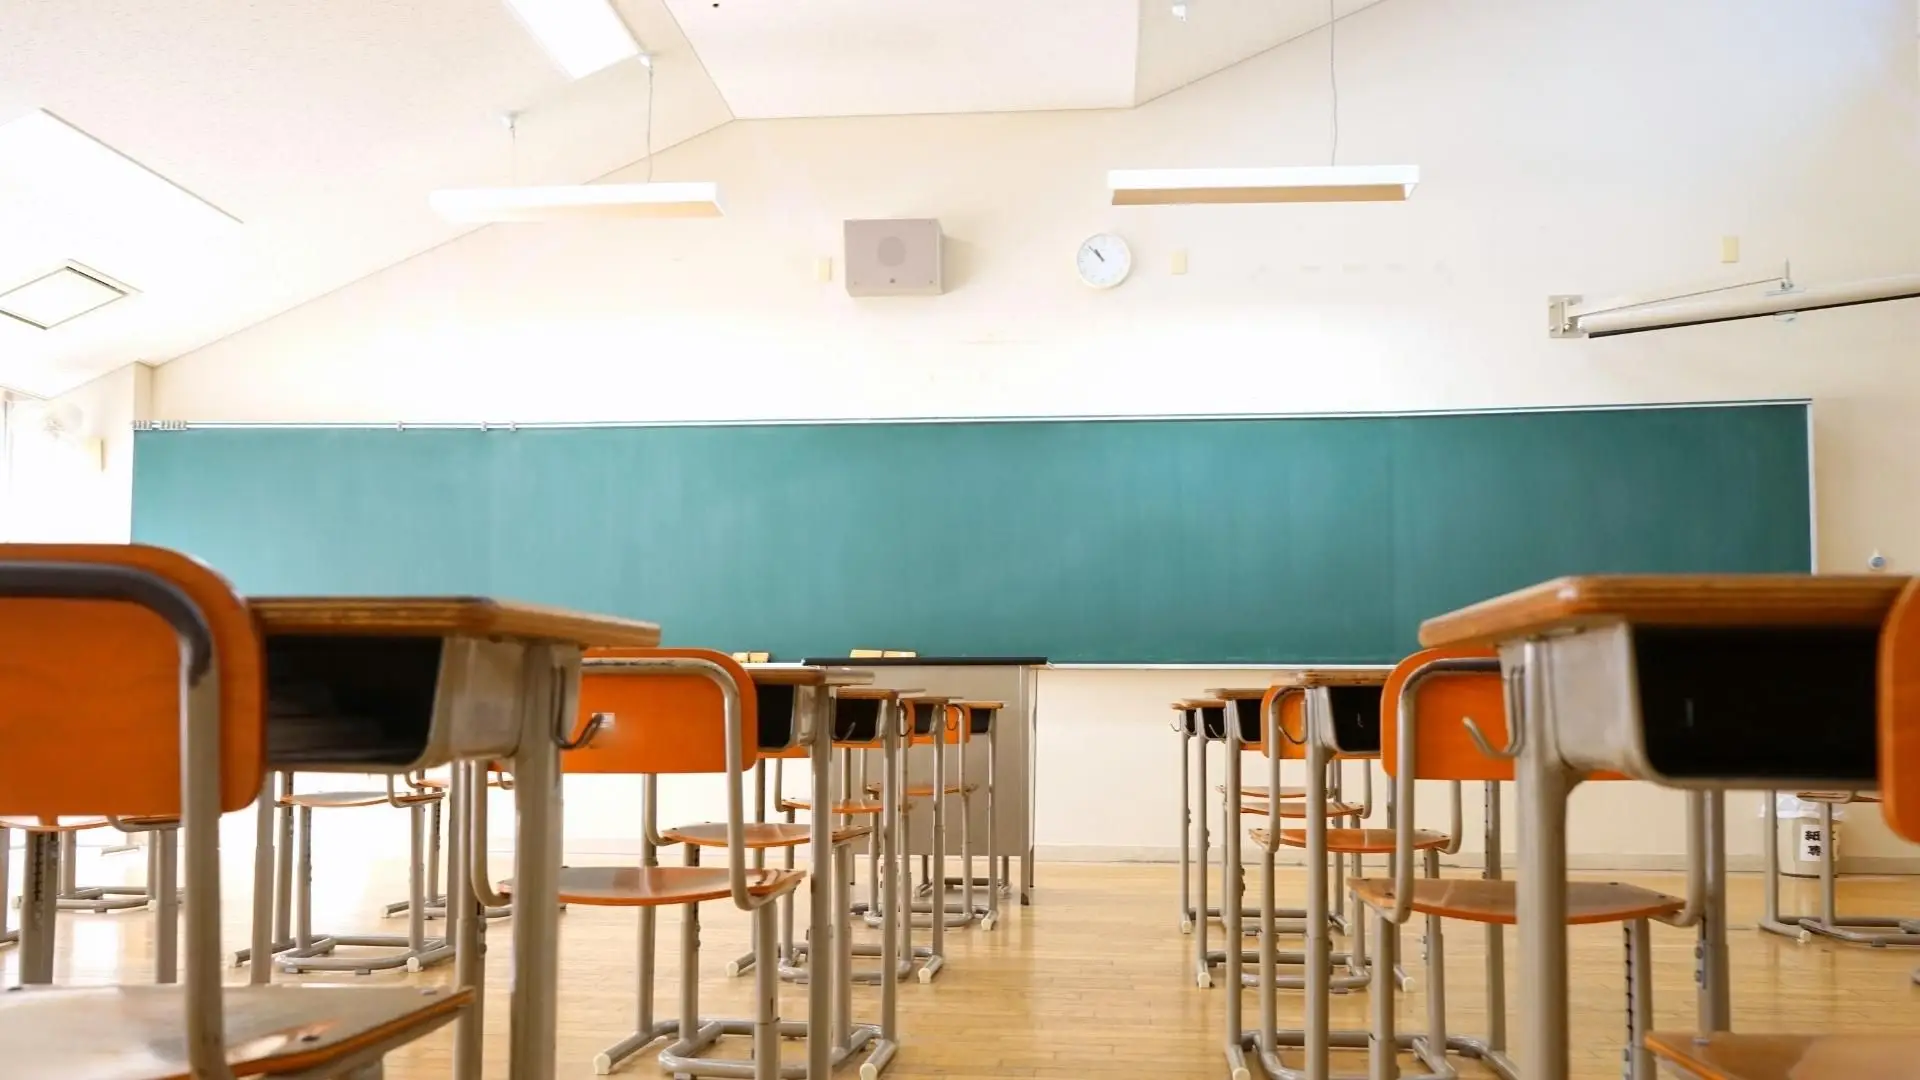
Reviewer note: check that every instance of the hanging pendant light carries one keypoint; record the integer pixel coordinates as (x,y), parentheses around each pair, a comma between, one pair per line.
(1332,182)
(569,202)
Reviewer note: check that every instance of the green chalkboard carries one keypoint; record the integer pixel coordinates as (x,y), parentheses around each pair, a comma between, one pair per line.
(1231,540)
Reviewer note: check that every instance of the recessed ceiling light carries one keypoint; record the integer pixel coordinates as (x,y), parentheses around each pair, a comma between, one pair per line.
(582,36)
(62,296)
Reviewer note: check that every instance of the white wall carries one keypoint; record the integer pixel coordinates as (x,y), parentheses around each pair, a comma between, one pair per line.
(77,487)
(1589,148)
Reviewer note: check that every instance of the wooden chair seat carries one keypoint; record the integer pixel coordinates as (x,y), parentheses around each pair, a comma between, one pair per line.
(1249,791)
(135,1033)
(1475,900)
(1352,841)
(925,791)
(1299,810)
(864,806)
(337,800)
(758,834)
(1727,1056)
(653,886)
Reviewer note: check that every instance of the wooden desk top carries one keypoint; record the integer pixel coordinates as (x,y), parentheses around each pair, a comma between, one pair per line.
(1240,693)
(1307,678)
(802,675)
(871,693)
(442,616)
(1723,600)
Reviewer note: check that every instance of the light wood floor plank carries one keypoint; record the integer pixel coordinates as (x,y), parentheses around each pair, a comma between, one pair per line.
(1094,976)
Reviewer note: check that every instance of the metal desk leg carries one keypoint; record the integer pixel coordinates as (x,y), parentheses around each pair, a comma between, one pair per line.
(1542,782)
(39,901)
(1201,859)
(536,897)
(1319,962)
(938,961)
(465,922)
(823,951)
(1714,981)
(1186,832)
(1232,886)
(283,870)
(994,876)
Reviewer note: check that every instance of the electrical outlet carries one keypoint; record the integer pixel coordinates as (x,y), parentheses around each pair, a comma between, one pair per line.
(1729,249)
(1180,262)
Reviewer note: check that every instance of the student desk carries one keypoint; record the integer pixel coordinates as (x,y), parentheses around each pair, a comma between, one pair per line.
(1702,682)
(793,688)
(391,685)
(1009,679)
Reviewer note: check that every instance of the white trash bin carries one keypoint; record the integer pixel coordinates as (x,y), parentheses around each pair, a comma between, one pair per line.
(1801,838)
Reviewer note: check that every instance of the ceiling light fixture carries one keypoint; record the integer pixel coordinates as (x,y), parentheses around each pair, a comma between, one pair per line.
(668,199)
(1307,183)
(582,36)
(577,201)
(61,296)
(1332,182)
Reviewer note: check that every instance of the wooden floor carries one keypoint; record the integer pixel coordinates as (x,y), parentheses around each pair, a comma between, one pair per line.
(1094,976)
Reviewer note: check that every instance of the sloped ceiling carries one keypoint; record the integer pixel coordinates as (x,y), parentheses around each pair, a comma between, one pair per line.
(318,127)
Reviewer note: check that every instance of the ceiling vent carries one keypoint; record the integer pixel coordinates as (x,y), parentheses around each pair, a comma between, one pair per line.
(61,296)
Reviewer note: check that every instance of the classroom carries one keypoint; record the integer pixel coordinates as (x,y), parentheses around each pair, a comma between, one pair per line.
(1297,539)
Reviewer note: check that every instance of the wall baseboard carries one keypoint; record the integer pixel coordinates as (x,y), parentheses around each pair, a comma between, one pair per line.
(1104,853)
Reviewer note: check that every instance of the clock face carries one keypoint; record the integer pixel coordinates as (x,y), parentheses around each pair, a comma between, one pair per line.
(1103,260)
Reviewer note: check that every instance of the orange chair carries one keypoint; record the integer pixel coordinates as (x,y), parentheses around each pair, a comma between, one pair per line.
(1443,710)
(661,711)
(1252,708)
(133,688)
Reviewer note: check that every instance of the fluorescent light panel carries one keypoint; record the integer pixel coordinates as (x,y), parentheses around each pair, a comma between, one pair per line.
(582,36)
(1315,183)
(665,200)
(62,296)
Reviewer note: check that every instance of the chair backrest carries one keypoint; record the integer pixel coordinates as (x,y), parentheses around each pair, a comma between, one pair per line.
(1243,708)
(659,722)
(1292,743)
(954,729)
(92,642)
(860,715)
(1442,705)
(1443,747)
(926,715)
(1899,703)
(980,715)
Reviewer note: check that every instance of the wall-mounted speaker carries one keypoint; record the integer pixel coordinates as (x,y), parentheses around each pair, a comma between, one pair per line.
(899,257)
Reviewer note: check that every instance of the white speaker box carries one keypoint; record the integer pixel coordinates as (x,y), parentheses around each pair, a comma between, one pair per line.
(899,257)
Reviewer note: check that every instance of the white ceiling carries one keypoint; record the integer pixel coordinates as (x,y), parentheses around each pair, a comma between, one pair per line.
(321,125)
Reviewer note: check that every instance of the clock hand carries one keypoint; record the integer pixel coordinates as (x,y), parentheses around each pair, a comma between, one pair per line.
(1097,255)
